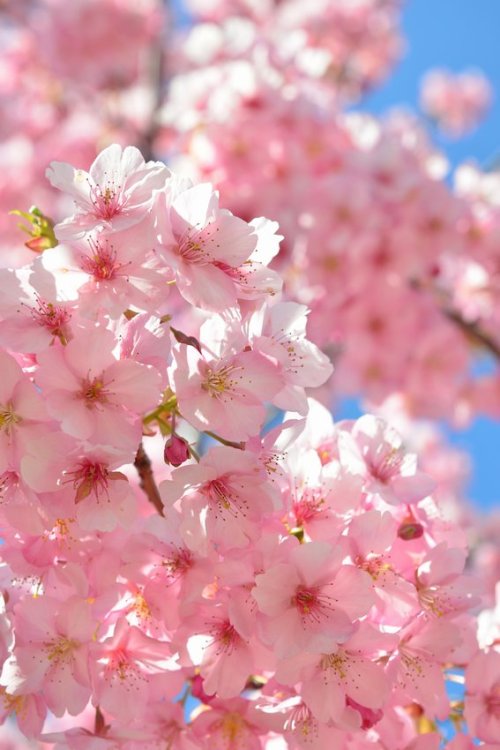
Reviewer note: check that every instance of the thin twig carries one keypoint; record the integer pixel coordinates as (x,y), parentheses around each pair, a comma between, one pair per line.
(147,481)
(240,446)
(473,331)
(158,84)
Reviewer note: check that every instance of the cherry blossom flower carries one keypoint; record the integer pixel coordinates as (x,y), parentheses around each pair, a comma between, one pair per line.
(92,394)
(310,601)
(115,193)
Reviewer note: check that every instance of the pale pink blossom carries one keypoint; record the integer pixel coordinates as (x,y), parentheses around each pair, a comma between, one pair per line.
(52,653)
(115,193)
(310,602)
(457,102)
(482,703)
(206,246)
(223,388)
(93,395)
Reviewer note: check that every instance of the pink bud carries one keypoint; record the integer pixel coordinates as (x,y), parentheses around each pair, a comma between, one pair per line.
(369,716)
(176,451)
(410,530)
(197,690)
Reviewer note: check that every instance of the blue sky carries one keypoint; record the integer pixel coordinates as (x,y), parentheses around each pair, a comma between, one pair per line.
(456,34)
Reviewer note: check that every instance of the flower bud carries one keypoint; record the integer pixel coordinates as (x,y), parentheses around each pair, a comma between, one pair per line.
(197,690)
(369,716)
(176,451)
(410,530)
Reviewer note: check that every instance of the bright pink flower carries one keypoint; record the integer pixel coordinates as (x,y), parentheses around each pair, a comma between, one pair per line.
(108,272)
(206,246)
(442,587)
(311,601)
(126,665)
(279,332)
(115,193)
(372,534)
(229,724)
(32,315)
(482,703)
(52,653)
(424,648)
(333,683)
(93,395)
(224,656)
(224,388)
(376,451)
(29,710)
(23,416)
(222,499)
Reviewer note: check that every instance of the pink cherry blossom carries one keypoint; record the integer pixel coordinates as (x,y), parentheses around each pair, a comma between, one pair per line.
(482,705)
(303,602)
(206,246)
(52,653)
(223,390)
(93,395)
(115,193)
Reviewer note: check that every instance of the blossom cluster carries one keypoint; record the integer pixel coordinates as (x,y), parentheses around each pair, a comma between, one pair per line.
(302,584)
(193,554)
(456,102)
(386,255)
(397,267)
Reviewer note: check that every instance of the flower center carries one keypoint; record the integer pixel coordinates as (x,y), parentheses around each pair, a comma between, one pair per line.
(493,701)
(102,262)
(225,636)
(14,703)
(219,381)
(180,562)
(308,507)
(338,662)
(89,477)
(52,317)
(60,649)
(375,566)
(8,418)
(232,726)
(386,466)
(302,721)
(311,604)
(94,392)
(107,200)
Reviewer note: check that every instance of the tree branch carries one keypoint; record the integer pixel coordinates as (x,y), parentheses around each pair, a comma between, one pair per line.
(147,481)
(158,84)
(473,331)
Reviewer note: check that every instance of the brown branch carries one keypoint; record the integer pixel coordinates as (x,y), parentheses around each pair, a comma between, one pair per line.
(158,81)
(473,331)
(147,481)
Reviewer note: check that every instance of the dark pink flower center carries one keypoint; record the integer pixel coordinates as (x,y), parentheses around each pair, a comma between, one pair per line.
(311,603)
(308,507)
(94,392)
(89,478)
(493,701)
(225,636)
(107,200)
(387,465)
(52,317)
(102,262)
